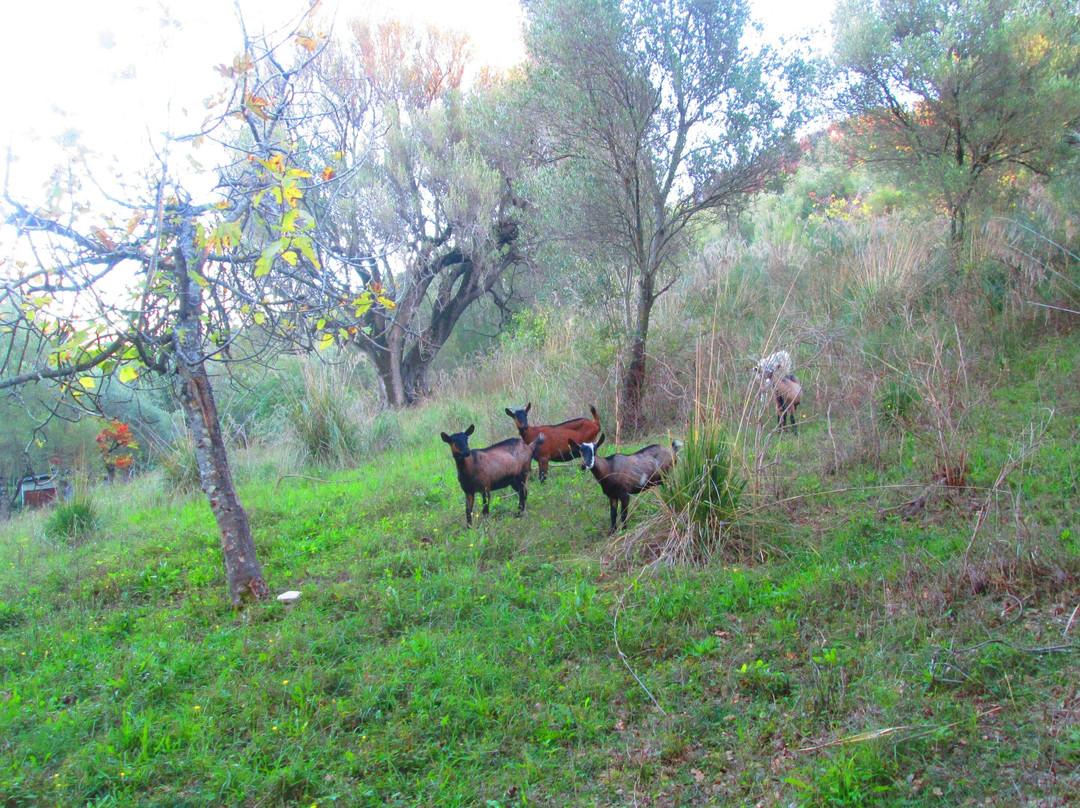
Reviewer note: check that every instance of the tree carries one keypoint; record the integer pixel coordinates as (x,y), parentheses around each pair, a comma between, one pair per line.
(431,220)
(662,115)
(166,286)
(118,447)
(951,96)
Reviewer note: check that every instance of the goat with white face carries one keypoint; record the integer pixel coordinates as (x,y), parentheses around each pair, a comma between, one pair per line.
(621,475)
(776,365)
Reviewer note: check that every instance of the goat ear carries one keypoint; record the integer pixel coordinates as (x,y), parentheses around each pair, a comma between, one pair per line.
(574,445)
(602,436)
(445,437)
(510,412)
(528,406)
(469,431)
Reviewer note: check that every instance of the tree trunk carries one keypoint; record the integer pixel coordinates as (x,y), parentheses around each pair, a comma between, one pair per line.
(634,384)
(242,568)
(634,380)
(957,226)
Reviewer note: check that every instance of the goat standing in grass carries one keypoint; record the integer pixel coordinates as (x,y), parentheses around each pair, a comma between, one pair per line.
(485,470)
(558,446)
(788,393)
(621,475)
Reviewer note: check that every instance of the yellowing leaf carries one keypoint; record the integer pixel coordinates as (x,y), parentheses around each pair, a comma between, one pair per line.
(128,374)
(328,173)
(103,237)
(326,341)
(87,382)
(289,257)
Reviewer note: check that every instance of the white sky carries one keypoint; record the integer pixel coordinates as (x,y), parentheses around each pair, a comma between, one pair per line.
(120,72)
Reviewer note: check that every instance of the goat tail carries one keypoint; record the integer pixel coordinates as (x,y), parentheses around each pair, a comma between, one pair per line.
(535,445)
(595,414)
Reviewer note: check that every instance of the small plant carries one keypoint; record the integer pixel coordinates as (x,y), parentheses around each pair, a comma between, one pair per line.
(10,616)
(118,448)
(759,677)
(73,521)
(861,779)
(898,400)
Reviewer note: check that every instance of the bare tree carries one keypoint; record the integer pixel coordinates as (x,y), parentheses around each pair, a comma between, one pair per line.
(166,288)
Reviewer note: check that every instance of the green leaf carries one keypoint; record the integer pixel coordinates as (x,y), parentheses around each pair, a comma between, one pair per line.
(303,243)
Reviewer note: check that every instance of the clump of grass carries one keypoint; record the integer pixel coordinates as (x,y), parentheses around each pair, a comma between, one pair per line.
(701,500)
(180,470)
(328,418)
(73,521)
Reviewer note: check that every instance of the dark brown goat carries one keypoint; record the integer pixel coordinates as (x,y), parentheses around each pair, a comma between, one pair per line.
(621,475)
(485,470)
(557,448)
(788,394)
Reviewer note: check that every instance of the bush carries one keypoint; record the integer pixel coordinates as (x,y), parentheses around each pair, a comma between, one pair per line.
(703,487)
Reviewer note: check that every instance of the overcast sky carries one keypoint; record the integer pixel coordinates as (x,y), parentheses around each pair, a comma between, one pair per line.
(120,72)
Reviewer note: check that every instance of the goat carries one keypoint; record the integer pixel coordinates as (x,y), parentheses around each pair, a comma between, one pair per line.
(485,470)
(557,448)
(621,475)
(788,394)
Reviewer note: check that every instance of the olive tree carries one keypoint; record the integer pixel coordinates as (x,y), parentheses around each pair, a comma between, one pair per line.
(952,97)
(431,219)
(661,114)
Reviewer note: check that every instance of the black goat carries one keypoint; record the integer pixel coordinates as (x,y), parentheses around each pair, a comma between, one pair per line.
(621,475)
(485,470)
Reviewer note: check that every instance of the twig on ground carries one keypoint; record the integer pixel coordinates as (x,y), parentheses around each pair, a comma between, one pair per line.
(622,656)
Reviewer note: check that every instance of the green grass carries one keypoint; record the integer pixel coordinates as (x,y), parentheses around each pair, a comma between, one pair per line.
(854,658)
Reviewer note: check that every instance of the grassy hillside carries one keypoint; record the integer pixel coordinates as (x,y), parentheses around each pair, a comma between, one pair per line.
(886,621)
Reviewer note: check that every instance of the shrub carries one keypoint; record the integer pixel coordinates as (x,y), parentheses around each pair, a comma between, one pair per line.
(703,487)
